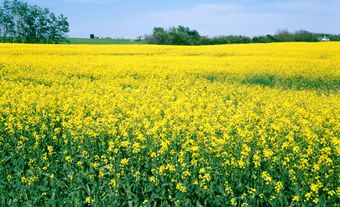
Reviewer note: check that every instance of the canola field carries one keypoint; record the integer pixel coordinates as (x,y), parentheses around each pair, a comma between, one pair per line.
(142,125)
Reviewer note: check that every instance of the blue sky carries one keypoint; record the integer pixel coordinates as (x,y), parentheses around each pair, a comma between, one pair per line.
(131,18)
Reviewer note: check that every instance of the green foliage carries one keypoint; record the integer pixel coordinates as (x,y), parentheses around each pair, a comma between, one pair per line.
(185,36)
(174,36)
(24,23)
(294,82)
(230,39)
(261,80)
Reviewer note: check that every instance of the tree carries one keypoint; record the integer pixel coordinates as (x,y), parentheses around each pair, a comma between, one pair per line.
(160,36)
(185,36)
(21,22)
(305,36)
(175,36)
(283,36)
(1,25)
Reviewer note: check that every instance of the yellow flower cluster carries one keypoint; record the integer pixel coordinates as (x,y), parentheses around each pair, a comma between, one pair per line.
(141,125)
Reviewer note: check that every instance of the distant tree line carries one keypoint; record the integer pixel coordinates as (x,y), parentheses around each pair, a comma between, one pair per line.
(174,36)
(24,23)
(185,36)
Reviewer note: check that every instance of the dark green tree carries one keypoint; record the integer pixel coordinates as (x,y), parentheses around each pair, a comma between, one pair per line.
(174,36)
(284,36)
(21,22)
(159,36)
(185,36)
(305,36)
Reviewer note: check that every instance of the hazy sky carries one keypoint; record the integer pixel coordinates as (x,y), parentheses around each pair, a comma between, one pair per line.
(131,18)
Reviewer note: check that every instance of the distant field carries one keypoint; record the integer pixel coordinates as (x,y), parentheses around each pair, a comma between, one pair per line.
(100,41)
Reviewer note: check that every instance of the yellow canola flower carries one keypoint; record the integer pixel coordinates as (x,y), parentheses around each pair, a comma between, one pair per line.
(266,177)
(278,187)
(181,187)
(68,159)
(296,198)
(267,153)
(124,162)
(198,119)
(50,149)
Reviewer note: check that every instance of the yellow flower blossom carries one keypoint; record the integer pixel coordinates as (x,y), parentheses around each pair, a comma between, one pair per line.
(181,187)
(266,177)
(278,187)
(68,159)
(244,123)
(124,162)
(296,198)
(88,200)
(50,149)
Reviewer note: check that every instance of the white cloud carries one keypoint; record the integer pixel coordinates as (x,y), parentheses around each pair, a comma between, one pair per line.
(246,17)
